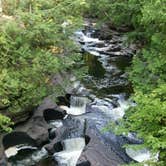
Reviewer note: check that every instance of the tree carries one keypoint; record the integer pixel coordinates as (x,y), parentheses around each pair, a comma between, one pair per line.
(33,48)
(1,7)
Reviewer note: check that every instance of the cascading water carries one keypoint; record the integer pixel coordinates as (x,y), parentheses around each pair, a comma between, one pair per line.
(72,151)
(12,151)
(107,61)
(29,159)
(106,106)
(77,105)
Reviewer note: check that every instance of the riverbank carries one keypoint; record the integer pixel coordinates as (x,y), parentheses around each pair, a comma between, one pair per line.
(92,108)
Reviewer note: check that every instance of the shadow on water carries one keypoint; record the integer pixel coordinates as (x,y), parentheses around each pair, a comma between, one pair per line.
(47,162)
(122,62)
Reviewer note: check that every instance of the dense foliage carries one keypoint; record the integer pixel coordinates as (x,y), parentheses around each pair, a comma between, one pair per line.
(147,19)
(34,45)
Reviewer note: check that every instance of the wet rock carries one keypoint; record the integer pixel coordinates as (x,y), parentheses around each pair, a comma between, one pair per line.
(63,100)
(116,143)
(98,45)
(3,160)
(40,134)
(17,138)
(85,163)
(52,133)
(72,128)
(60,135)
(17,141)
(107,33)
(75,127)
(54,114)
(48,103)
(58,147)
(37,128)
(97,152)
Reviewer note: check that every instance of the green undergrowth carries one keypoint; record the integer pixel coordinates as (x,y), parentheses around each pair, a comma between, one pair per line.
(34,46)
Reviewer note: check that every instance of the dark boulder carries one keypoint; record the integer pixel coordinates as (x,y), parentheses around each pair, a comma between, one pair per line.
(54,114)
(52,133)
(17,138)
(58,147)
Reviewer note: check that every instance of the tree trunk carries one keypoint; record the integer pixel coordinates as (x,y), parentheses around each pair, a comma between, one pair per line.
(1,10)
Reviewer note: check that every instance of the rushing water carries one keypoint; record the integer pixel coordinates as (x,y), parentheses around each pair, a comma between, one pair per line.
(106,88)
(77,105)
(72,151)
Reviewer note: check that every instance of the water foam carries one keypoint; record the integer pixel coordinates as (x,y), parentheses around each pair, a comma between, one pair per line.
(71,153)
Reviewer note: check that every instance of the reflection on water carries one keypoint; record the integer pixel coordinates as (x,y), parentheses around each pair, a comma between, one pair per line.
(106,75)
(95,67)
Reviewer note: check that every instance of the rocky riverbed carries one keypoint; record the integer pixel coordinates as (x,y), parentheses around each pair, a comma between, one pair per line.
(68,131)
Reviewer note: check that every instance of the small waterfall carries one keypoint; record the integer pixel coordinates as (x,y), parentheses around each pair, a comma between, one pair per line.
(81,37)
(106,106)
(55,123)
(77,105)
(76,101)
(141,155)
(119,112)
(88,34)
(30,160)
(13,151)
(71,153)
